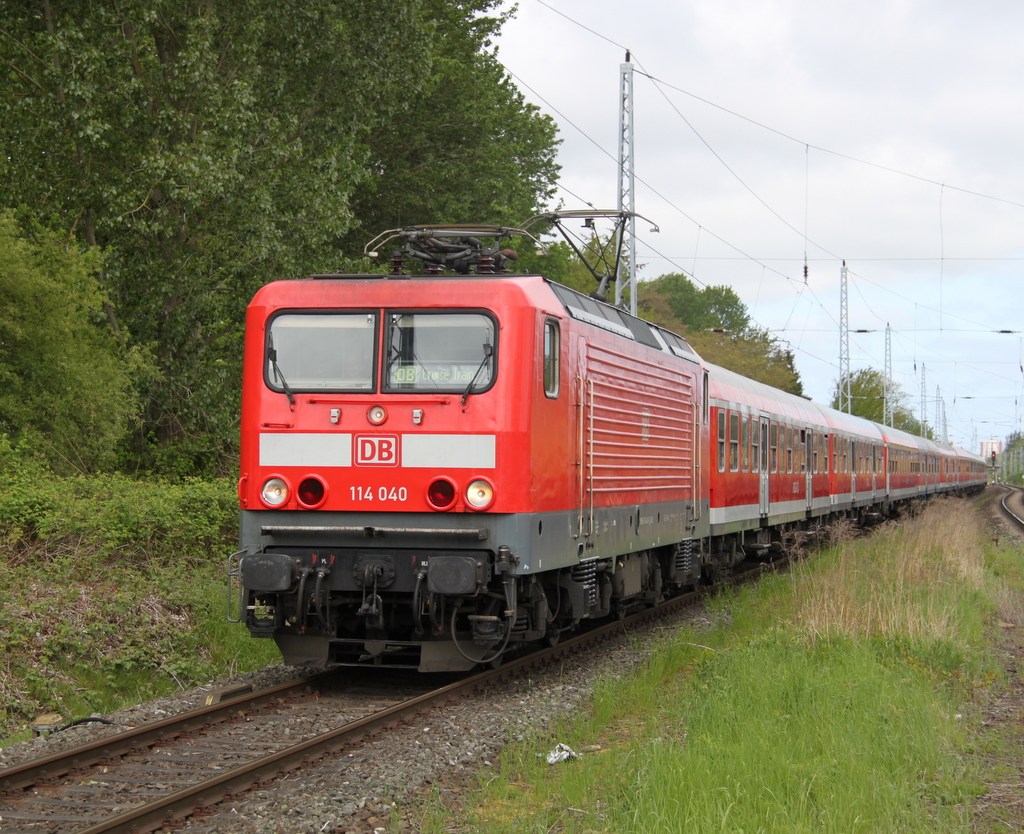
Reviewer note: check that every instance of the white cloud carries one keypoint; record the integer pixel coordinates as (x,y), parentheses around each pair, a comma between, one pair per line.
(928,88)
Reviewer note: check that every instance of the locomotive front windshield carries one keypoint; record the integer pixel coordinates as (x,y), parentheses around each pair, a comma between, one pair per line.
(452,352)
(321,352)
(336,351)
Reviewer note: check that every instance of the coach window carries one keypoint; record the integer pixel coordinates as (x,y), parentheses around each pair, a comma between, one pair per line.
(789,449)
(721,440)
(551,356)
(774,444)
(755,445)
(734,441)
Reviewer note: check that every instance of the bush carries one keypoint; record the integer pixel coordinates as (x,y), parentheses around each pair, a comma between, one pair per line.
(112,588)
(108,519)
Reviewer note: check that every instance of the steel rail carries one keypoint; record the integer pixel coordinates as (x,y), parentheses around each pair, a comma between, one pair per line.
(48,768)
(199,799)
(1010,492)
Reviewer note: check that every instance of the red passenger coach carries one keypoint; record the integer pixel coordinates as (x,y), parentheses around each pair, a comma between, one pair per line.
(438,467)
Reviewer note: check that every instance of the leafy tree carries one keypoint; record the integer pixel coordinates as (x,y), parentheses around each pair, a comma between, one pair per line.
(753,353)
(467,148)
(867,392)
(675,301)
(64,388)
(207,148)
(716,323)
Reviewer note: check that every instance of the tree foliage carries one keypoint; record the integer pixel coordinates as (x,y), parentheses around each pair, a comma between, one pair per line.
(867,394)
(754,354)
(209,147)
(675,300)
(467,148)
(64,385)
(716,323)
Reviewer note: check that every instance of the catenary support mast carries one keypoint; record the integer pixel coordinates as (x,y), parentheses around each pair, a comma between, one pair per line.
(627,196)
(887,416)
(845,397)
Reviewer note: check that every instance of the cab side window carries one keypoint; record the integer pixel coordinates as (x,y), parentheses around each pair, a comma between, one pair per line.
(552,340)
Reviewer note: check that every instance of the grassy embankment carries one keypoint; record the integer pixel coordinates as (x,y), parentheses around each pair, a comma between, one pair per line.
(112,591)
(838,697)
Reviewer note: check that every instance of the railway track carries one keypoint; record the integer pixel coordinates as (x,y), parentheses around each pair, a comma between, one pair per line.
(120,782)
(1012,505)
(158,775)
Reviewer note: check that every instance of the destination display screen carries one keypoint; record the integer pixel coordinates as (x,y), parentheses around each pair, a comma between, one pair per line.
(452,352)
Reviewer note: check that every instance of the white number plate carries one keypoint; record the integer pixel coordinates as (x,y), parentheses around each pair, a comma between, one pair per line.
(379,493)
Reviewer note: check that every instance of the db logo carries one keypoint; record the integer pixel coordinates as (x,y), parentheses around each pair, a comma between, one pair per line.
(376,449)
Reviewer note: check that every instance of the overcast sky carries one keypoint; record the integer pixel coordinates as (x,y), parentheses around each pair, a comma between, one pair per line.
(888,134)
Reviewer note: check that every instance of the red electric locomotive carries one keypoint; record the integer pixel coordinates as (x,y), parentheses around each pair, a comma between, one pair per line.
(435,468)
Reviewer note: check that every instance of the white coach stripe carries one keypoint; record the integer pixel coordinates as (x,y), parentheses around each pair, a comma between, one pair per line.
(288,449)
(464,451)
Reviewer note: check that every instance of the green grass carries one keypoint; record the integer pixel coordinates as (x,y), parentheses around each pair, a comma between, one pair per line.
(835,698)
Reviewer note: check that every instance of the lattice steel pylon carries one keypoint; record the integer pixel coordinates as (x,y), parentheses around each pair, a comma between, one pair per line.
(924,403)
(887,415)
(627,195)
(845,397)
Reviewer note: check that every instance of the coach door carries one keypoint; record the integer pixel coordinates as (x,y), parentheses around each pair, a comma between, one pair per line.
(852,467)
(809,467)
(764,493)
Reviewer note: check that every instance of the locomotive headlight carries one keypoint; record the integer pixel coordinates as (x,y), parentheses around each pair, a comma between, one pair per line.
(377,414)
(275,492)
(480,494)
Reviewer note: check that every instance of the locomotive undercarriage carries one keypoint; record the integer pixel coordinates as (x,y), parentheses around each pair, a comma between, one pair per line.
(439,611)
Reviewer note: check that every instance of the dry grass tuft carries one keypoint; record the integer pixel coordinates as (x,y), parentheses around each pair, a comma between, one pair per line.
(907,583)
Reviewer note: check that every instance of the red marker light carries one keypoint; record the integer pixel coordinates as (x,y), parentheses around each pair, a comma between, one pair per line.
(441,494)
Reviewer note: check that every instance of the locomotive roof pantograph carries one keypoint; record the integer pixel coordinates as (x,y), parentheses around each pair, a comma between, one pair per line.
(457,248)
(601,256)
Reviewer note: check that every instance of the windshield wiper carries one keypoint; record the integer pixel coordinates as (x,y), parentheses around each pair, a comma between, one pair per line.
(488,352)
(272,356)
